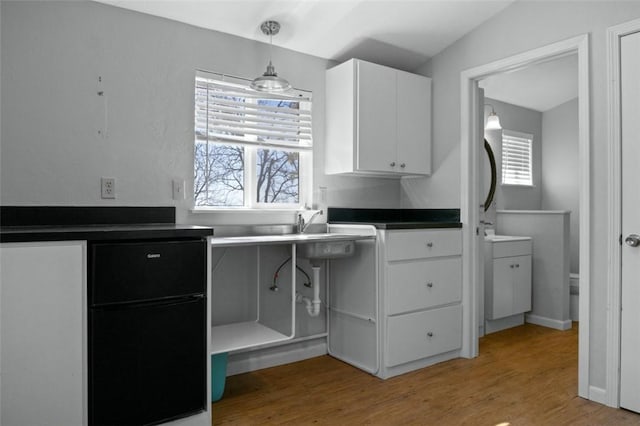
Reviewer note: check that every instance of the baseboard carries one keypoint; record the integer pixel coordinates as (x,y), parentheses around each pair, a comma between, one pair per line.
(270,357)
(492,326)
(598,395)
(548,322)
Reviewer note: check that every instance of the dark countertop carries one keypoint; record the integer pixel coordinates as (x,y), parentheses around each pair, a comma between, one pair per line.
(411,225)
(9,234)
(392,219)
(73,223)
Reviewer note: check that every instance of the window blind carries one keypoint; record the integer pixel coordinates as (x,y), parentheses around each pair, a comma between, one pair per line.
(227,110)
(516,158)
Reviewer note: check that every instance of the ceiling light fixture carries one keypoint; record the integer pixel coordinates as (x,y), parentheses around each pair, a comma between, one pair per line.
(269,81)
(493,121)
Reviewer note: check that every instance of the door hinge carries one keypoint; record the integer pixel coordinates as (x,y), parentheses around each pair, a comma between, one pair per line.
(620,239)
(477,230)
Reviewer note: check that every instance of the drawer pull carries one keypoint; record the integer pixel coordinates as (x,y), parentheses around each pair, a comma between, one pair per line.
(511,266)
(429,244)
(429,334)
(392,164)
(430,285)
(153,255)
(517,265)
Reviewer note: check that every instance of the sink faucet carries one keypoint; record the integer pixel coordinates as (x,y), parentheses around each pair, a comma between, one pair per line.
(302,225)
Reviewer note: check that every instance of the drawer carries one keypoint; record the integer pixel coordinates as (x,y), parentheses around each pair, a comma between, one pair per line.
(417,244)
(423,284)
(423,334)
(511,248)
(129,272)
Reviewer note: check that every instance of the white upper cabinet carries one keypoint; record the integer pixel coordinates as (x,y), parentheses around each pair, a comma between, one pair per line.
(378,121)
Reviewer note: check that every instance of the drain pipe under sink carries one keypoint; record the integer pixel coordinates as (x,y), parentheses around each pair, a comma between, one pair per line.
(313,306)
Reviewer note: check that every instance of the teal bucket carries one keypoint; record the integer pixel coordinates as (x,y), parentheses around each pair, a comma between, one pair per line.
(218,375)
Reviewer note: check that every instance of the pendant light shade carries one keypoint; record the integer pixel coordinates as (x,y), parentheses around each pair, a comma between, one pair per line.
(493,121)
(269,81)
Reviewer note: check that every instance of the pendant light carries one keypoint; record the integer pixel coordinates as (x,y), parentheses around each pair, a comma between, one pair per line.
(493,121)
(269,81)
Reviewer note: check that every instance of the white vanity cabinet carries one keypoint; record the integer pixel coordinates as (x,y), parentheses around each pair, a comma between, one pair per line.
(507,277)
(421,288)
(378,120)
(43,333)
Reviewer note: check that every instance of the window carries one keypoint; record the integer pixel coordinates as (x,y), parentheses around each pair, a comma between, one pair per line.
(252,149)
(516,158)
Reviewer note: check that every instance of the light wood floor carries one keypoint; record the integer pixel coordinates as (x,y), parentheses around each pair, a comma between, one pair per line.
(524,376)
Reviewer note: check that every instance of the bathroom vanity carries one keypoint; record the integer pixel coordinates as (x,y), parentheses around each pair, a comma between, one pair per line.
(507,281)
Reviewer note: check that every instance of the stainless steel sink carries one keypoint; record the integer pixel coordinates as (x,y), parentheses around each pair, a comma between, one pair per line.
(326,249)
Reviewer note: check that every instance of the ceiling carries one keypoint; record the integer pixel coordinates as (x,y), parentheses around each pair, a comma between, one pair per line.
(538,87)
(399,33)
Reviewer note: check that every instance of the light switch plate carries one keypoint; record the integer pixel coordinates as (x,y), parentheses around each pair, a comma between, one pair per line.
(178,189)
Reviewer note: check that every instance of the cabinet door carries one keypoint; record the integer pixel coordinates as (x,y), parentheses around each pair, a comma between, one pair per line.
(521,284)
(511,286)
(376,117)
(502,288)
(42,333)
(414,123)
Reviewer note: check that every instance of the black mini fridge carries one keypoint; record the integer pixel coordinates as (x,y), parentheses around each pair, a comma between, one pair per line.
(147,331)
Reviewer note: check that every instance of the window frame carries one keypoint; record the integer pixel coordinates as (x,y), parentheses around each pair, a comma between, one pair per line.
(519,135)
(305,153)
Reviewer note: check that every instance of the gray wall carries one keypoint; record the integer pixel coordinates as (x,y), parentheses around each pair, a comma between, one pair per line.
(523,120)
(560,183)
(52,54)
(521,27)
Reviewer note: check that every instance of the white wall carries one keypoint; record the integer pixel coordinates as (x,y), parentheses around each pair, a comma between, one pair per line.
(560,180)
(52,54)
(523,120)
(550,262)
(521,27)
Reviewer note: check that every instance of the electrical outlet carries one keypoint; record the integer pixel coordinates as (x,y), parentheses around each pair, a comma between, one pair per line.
(178,189)
(108,187)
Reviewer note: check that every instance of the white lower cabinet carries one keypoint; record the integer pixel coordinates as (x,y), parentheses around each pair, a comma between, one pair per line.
(420,307)
(396,306)
(507,278)
(43,334)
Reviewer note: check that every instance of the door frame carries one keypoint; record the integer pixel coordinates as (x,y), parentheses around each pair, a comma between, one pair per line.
(470,153)
(614,285)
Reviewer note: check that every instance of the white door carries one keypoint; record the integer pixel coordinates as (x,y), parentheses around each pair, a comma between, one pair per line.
(630,326)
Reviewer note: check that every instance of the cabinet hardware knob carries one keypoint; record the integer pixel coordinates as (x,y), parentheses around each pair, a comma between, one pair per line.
(392,164)
(429,334)
(403,165)
(429,285)
(511,266)
(517,265)
(429,244)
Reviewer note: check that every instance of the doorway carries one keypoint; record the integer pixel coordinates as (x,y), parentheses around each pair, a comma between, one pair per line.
(471,150)
(536,196)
